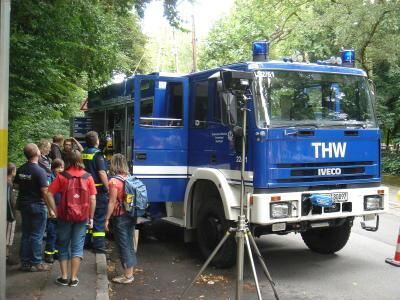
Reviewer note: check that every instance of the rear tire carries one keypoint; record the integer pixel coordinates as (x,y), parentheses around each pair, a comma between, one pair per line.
(211,228)
(327,240)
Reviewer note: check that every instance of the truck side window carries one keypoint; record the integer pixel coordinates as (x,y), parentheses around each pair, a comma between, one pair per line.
(174,104)
(200,115)
(146,98)
(215,100)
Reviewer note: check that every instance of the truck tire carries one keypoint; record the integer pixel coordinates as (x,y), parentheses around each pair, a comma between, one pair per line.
(327,240)
(211,228)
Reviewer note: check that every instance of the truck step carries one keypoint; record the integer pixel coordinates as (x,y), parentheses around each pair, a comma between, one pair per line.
(176,221)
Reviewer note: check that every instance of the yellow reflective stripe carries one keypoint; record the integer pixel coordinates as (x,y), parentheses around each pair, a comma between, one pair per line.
(88,156)
(3,147)
(50,252)
(98,184)
(55,251)
(99,234)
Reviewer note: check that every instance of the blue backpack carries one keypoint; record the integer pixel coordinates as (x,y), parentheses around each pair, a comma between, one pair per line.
(135,200)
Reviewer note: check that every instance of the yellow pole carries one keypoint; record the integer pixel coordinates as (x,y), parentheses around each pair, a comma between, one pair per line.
(4,76)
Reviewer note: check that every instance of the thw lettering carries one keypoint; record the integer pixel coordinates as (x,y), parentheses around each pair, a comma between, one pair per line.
(323,150)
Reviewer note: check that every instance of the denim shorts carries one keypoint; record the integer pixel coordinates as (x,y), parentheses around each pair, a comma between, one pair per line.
(124,227)
(70,239)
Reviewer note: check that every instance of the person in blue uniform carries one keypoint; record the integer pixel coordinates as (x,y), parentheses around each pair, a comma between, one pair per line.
(31,181)
(94,161)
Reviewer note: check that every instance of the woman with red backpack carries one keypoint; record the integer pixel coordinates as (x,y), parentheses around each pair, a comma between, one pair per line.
(123,223)
(74,213)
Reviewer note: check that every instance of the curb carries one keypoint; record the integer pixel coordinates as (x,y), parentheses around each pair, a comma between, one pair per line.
(102,279)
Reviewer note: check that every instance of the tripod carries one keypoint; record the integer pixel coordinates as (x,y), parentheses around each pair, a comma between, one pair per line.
(242,232)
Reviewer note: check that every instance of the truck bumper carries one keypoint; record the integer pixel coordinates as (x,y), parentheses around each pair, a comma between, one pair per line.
(294,207)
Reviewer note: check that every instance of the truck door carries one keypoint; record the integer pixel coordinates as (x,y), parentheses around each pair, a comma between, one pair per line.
(161,136)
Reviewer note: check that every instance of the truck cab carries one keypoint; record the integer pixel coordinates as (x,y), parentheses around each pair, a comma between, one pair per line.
(312,152)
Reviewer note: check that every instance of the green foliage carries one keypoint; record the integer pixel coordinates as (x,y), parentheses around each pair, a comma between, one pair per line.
(319,29)
(23,131)
(58,51)
(391,163)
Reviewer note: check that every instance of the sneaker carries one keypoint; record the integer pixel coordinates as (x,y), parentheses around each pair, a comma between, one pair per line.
(62,281)
(74,282)
(49,258)
(25,267)
(40,268)
(123,279)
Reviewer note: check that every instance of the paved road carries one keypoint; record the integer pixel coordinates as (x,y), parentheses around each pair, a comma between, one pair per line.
(356,272)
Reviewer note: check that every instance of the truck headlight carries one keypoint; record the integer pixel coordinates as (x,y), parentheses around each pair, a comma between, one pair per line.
(280,210)
(373,202)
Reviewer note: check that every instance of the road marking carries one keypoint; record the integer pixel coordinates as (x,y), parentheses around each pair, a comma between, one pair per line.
(3,147)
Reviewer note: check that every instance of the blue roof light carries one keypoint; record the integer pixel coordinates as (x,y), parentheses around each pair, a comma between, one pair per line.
(260,50)
(348,57)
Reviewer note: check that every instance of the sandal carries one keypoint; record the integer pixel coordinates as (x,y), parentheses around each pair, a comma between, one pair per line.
(123,279)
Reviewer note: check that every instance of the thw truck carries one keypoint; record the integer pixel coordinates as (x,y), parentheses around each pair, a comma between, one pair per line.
(313,149)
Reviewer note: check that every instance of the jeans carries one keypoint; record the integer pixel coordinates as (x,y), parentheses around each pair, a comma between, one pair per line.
(96,238)
(124,227)
(34,216)
(70,239)
(51,237)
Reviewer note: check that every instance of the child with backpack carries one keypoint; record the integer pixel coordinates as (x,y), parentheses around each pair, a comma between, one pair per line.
(127,201)
(74,213)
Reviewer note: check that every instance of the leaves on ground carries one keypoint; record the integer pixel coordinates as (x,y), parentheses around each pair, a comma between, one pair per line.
(211,279)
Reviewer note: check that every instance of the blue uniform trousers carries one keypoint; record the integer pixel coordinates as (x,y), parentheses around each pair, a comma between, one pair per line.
(95,237)
(51,237)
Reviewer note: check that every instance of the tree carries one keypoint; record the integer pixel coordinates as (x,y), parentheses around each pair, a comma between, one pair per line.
(320,29)
(61,49)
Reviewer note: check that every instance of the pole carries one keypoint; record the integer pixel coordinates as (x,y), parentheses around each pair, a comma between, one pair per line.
(194,46)
(4,77)
(241,220)
(175,50)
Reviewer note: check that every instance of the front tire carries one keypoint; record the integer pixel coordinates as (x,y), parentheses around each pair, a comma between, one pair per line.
(211,228)
(327,240)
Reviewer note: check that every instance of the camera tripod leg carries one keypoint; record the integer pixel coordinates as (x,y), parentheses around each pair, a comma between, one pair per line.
(252,265)
(239,264)
(264,266)
(209,259)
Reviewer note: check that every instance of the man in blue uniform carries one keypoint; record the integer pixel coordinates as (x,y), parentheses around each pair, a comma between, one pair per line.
(31,181)
(95,164)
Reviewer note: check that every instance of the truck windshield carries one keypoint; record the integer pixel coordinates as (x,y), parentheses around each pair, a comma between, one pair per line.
(292,98)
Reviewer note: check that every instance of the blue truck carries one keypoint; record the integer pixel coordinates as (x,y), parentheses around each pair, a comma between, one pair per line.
(313,149)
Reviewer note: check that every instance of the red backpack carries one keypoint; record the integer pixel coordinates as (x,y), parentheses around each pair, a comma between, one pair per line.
(75,203)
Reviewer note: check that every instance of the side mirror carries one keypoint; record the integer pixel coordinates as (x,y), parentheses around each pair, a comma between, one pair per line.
(236,81)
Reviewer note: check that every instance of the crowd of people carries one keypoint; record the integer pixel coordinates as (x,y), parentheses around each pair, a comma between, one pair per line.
(66,197)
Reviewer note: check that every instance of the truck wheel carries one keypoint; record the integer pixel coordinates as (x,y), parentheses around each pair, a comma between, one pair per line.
(211,228)
(327,240)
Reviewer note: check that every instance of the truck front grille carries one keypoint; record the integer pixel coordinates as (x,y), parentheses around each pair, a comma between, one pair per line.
(325,172)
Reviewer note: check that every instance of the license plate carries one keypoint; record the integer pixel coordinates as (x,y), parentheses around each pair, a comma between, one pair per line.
(340,197)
